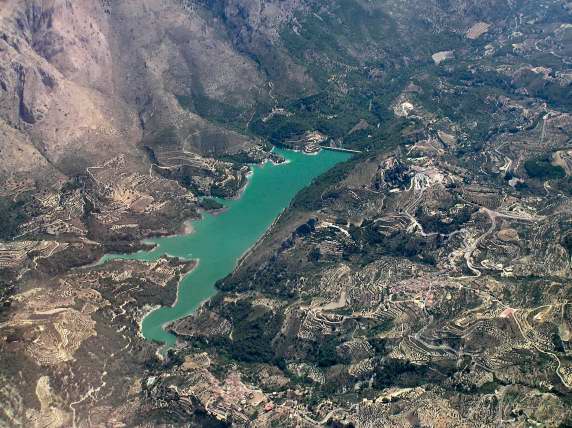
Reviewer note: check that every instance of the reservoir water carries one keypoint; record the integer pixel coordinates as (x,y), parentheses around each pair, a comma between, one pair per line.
(218,241)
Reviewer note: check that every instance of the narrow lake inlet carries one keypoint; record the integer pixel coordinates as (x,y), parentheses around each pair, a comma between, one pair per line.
(218,241)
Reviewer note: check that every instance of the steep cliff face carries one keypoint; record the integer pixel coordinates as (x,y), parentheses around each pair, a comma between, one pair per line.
(57,85)
(85,81)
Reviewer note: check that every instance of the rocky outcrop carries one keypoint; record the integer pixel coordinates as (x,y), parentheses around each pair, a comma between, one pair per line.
(87,81)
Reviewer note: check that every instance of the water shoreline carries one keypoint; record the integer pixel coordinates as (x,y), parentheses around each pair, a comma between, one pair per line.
(219,242)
